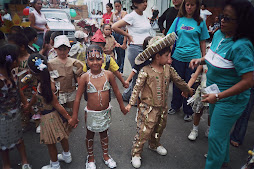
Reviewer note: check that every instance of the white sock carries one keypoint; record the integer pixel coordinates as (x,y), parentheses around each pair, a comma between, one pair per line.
(195,127)
(55,164)
(66,153)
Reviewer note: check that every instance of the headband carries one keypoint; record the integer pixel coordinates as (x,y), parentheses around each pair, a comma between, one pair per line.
(92,53)
(39,63)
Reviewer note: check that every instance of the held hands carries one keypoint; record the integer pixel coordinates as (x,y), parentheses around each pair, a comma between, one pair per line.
(73,122)
(124,110)
(126,84)
(128,107)
(187,94)
(194,63)
(209,98)
(124,46)
(118,45)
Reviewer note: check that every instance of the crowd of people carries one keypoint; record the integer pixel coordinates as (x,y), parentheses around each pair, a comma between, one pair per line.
(43,77)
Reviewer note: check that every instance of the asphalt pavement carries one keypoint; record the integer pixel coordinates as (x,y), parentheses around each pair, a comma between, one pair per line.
(182,153)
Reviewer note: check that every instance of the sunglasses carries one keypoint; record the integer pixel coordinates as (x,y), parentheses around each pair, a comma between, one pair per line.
(227,19)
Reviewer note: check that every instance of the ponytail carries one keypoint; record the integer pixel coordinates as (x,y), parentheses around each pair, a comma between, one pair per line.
(38,65)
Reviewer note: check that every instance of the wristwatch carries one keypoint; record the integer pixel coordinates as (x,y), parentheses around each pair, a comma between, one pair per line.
(217,97)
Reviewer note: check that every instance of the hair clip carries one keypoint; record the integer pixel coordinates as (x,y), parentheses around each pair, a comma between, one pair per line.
(8,58)
(40,65)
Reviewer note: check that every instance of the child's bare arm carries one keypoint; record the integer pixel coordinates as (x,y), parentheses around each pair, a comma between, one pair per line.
(119,76)
(80,91)
(195,75)
(59,108)
(117,93)
(130,77)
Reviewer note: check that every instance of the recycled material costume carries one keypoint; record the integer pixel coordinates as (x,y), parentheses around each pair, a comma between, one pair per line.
(98,121)
(28,87)
(65,77)
(195,101)
(227,61)
(152,115)
(54,127)
(10,114)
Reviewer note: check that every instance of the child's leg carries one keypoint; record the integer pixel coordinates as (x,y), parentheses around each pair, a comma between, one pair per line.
(89,145)
(6,159)
(147,118)
(65,145)
(53,156)
(154,141)
(104,144)
(52,152)
(22,152)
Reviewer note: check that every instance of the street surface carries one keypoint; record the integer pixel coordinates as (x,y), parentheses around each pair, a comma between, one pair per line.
(182,153)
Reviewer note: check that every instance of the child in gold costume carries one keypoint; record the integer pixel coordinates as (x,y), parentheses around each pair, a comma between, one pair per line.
(153,84)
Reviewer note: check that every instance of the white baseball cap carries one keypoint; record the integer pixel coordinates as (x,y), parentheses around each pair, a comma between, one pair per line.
(61,40)
(80,34)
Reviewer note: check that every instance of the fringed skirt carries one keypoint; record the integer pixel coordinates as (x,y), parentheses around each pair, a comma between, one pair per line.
(53,130)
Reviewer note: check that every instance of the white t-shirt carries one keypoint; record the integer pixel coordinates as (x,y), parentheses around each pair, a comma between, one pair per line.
(204,14)
(7,17)
(139,27)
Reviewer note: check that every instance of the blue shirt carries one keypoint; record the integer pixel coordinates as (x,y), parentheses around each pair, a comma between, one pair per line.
(227,61)
(189,36)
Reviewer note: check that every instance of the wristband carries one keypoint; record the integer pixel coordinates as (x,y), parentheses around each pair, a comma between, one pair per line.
(217,97)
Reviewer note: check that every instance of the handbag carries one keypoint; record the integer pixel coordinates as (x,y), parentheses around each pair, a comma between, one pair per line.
(173,49)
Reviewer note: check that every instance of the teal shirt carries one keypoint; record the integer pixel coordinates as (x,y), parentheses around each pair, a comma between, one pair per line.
(227,61)
(189,36)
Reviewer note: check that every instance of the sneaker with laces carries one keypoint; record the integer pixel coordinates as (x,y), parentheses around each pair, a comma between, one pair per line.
(51,167)
(187,118)
(160,150)
(193,135)
(26,166)
(136,161)
(110,162)
(171,111)
(66,159)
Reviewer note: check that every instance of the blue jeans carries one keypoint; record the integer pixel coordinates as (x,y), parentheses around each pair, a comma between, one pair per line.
(133,51)
(39,41)
(183,70)
(119,51)
(242,123)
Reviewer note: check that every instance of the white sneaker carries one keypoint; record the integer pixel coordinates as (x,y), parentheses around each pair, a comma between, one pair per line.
(160,150)
(66,159)
(38,129)
(193,135)
(50,167)
(90,165)
(26,166)
(136,161)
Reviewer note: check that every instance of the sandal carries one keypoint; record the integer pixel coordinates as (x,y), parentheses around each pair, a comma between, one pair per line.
(234,143)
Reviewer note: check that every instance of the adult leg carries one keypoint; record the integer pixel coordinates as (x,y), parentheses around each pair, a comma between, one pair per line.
(6,159)
(186,77)
(177,98)
(222,121)
(237,136)
(133,51)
